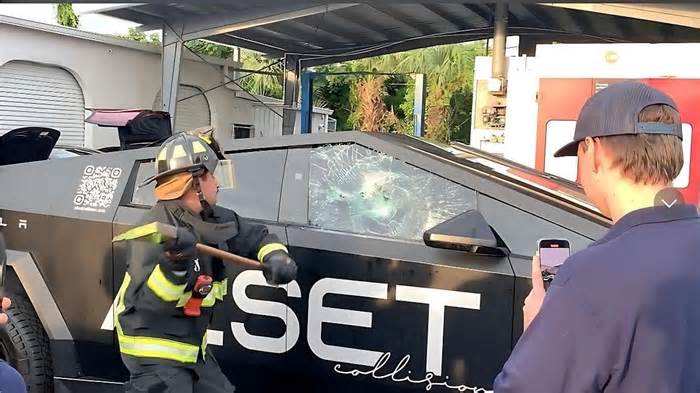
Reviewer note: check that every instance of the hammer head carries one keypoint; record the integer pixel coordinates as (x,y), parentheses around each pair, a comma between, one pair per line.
(155,232)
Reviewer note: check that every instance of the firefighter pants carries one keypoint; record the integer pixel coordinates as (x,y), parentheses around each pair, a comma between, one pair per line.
(203,377)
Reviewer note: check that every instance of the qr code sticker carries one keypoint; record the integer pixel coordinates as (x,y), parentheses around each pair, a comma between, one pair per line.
(97,187)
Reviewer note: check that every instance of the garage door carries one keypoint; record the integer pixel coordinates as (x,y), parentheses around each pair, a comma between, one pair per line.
(39,95)
(191,113)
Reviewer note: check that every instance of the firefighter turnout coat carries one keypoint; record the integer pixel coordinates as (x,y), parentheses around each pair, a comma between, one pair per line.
(149,318)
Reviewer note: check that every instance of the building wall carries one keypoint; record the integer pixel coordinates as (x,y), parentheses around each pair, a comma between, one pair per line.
(521,110)
(268,120)
(115,73)
(561,65)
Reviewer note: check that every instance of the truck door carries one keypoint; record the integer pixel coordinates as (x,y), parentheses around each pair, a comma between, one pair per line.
(375,305)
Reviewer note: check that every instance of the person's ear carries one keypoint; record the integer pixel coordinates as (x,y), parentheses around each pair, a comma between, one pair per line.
(594,149)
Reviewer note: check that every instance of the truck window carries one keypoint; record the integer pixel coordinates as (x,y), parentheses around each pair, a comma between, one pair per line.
(258,184)
(358,190)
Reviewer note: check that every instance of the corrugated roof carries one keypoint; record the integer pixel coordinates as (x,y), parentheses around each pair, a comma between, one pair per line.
(322,32)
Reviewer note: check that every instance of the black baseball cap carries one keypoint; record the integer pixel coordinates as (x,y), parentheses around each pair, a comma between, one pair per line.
(615,111)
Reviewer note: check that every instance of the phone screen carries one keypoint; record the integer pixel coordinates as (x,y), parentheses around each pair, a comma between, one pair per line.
(553,252)
(552,257)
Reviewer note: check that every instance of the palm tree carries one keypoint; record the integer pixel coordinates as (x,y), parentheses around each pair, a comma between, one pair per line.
(449,69)
(262,84)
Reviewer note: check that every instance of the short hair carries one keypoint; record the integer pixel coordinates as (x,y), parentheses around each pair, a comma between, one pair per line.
(648,158)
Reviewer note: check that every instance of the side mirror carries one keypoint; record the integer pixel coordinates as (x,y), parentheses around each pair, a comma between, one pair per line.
(469,232)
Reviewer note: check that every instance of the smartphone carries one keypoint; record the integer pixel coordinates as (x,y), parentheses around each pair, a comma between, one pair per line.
(553,253)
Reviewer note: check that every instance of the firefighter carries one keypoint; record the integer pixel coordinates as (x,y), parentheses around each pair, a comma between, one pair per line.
(161,338)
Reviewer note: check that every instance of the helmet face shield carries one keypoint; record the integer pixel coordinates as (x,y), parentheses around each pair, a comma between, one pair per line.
(225,175)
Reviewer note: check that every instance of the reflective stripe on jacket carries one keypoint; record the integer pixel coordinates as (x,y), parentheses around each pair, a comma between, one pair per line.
(149,317)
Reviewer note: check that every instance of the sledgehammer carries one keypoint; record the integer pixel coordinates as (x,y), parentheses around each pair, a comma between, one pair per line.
(157,232)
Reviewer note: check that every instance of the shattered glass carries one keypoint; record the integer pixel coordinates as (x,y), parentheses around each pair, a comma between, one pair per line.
(355,189)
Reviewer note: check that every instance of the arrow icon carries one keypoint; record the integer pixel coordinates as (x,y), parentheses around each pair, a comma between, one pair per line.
(669,205)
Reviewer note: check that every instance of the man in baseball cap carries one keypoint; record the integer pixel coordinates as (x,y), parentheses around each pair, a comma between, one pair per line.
(622,315)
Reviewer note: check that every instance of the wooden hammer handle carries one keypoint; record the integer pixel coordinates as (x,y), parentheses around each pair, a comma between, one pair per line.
(227,256)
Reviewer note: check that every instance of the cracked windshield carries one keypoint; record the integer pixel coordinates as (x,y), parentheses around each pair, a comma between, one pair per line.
(355,189)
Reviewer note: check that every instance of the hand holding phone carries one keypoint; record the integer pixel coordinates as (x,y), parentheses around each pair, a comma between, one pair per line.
(553,253)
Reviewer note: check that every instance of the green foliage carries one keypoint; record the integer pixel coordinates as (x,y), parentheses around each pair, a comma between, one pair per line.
(207,48)
(459,118)
(262,84)
(395,86)
(154,38)
(65,16)
(407,106)
(259,84)
(449,70)
(335,92)
(134,35)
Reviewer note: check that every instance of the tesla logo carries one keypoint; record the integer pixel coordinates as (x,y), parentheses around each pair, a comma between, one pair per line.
(318,315)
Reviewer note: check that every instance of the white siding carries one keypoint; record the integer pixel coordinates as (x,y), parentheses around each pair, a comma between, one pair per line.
(38,95)
(191,113)
(267,123)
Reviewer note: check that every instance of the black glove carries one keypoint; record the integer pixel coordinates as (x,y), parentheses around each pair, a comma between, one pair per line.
(279,268)
(182,248)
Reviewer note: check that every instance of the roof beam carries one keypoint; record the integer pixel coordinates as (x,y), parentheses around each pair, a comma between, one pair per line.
(476,9)
(348,27)
(290,38)
(406,22)
(202,27)
(514,20)
(248,44)
(269,38)
(312,34)
(360,14)
(418,42)
(433,9)
(569,20)
(539,15)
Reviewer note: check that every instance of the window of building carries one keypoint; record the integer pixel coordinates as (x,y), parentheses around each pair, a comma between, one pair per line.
(241,131)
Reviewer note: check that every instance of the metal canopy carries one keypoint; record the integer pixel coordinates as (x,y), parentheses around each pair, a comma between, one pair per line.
(323,32)
(312,32)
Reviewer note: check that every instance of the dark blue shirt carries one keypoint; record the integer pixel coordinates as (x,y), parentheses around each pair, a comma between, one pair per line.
(623,315)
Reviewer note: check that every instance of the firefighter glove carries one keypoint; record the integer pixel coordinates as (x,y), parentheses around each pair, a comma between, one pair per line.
(279,268)
(182,248)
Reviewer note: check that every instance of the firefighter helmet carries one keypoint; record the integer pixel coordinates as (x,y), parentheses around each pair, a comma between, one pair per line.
(206,133)
(184,153)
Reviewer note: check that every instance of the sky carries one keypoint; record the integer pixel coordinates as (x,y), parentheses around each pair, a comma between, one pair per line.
(46,13)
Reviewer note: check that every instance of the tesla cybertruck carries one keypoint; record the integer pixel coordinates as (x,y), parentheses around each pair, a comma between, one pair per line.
(414,261)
